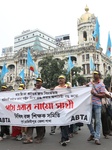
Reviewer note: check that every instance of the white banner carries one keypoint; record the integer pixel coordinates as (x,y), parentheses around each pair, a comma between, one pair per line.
(46,107)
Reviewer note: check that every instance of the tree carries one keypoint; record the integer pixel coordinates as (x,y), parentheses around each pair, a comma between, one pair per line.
(75,74)
(77,79)
(51,68)
(81,80)
(107,80)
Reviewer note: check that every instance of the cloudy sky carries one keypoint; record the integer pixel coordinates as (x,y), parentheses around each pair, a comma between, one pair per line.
(54,17)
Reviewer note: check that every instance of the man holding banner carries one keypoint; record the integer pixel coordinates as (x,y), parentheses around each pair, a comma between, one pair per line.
(64,129)
(39,130)
(5,130)
(98,92)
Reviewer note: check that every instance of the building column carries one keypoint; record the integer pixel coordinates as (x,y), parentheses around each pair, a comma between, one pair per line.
(85,68)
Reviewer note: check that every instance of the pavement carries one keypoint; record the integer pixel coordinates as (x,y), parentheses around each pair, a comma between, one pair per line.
(51,142)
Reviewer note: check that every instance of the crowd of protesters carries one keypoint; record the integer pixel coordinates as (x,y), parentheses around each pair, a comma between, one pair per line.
(101,115)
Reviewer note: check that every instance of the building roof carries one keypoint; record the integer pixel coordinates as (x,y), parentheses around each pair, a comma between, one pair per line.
(85,17)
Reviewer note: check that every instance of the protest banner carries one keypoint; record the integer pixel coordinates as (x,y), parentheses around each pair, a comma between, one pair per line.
(45,107)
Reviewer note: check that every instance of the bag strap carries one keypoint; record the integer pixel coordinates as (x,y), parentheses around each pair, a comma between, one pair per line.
(95,88)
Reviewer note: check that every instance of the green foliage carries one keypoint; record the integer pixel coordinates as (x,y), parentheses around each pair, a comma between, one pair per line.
(50,70)
(77,79)
(107,80)
(81,80)
(75,75)
(76,71)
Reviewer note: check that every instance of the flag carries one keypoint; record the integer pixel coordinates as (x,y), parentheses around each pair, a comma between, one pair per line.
(108,52)
(70,64)
(92,66)
(4,71)
(96,34)
(22,76)
(31,64)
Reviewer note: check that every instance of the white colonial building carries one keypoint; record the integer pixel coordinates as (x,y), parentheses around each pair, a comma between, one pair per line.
(80,53)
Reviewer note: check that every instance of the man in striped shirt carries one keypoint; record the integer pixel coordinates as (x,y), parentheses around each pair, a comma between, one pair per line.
(98,92)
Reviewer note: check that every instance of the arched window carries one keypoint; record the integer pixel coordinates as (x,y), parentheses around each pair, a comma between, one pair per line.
(85,36)
(74,59)
(11,67)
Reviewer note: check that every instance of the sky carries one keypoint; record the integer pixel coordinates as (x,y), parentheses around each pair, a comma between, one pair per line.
(54,17)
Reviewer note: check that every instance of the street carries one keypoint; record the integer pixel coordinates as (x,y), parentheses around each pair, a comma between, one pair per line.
(51,142)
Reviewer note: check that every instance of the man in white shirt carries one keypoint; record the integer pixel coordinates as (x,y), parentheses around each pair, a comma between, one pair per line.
(39,130)
(64,129)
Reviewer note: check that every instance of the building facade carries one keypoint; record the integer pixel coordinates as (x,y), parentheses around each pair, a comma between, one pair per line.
(35,39)
(7,51)
(64,40)
(80,53)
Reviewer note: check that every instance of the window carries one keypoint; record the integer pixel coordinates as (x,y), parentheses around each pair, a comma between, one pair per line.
(97,57)
(88,69)
(66,38)
(109,67)
(83,58)
(96,66)
(20,62)
(83,69)
(93,37)
(87,57)
(10,78)
(85,36)
(24,61)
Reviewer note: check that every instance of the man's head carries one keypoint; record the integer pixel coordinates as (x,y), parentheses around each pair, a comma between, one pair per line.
(61,79)
(10,88)
(3,88)
(39,82)
(97,74)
